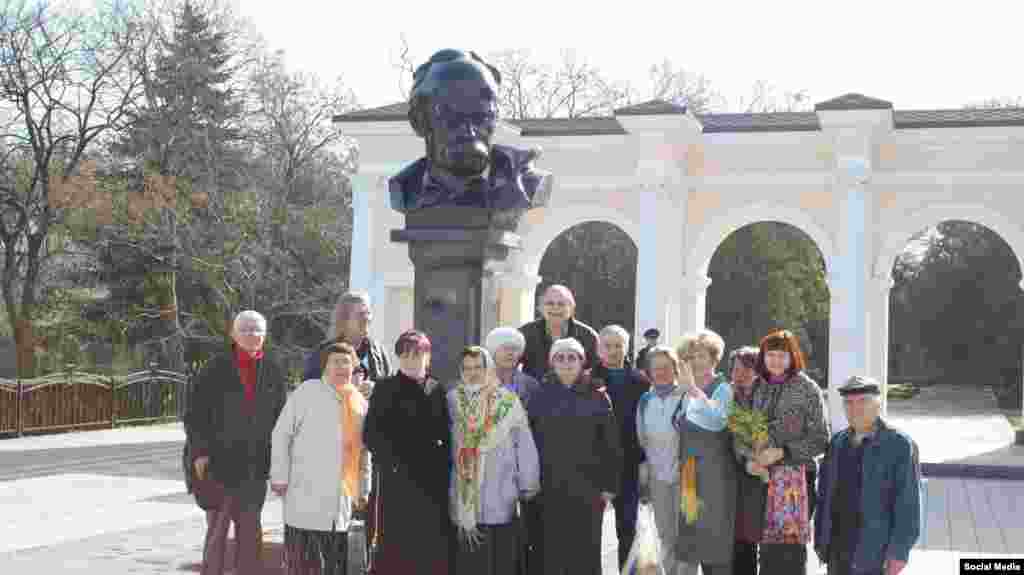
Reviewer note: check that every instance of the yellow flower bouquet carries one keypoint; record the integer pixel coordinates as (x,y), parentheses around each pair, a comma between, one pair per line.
(750,428)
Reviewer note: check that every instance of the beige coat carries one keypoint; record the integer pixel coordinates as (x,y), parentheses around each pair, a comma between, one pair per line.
(306,454)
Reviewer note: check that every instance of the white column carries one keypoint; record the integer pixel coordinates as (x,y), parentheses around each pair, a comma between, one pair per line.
(694,302)
(878,288)
(360,274)
(649,312)
(517,304)
(848,337)
(379,266)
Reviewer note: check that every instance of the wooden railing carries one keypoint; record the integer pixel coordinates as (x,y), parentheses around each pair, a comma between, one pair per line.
(73,400)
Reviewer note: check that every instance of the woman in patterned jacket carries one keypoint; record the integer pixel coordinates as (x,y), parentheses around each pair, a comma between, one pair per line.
(797,433)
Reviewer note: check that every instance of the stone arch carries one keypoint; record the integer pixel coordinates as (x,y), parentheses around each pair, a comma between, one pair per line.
(894,240)
(559,219)
(714,232)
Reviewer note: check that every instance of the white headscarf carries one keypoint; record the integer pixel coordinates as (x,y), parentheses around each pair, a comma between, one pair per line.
(490,376)
(567,344)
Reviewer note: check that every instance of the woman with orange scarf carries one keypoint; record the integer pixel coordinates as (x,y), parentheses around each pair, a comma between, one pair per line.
(320,466)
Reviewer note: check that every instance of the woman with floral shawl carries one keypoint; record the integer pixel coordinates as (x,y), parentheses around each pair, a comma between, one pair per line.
(496,464)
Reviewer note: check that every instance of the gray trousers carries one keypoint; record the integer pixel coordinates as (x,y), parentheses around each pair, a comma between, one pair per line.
(665,500)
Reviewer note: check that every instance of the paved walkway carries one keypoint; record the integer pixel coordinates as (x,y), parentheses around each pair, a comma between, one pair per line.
(113,501)
(957,425)
(134,435)
(81,523)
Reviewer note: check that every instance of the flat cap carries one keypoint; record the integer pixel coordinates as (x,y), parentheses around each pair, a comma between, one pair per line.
(860,385)
(652,333)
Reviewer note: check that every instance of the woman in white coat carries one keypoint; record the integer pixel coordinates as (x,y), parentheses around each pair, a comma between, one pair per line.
(320,466)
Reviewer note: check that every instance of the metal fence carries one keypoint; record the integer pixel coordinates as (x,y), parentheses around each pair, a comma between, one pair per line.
(77,400)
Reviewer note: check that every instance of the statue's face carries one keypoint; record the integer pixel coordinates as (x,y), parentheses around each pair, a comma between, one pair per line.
(462,121)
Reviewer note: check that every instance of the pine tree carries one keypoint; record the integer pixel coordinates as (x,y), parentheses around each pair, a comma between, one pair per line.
(182,146)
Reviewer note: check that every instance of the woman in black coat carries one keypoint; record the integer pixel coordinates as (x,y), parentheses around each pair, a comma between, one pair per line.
(407,432)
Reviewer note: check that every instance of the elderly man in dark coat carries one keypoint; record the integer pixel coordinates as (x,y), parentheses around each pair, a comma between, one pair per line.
(407,431)
(625,386)
(559,321)
(236,402)
(581,463)
(869,491)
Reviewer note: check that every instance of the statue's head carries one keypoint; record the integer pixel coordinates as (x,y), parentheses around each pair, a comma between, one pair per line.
(454,107)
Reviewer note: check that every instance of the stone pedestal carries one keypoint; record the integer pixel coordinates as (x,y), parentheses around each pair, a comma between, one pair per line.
(455,251)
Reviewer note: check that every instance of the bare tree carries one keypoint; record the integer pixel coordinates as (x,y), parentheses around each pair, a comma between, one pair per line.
(997,103)
(674,84)
(572,89)
(64,83)
(306,162)
(404,61)
(765,98)
(292,122)
(520,76)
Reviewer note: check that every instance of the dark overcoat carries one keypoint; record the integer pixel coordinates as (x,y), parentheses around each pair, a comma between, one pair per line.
(578,441)
(538,344)
(407,432)
(235,435)
(624,405)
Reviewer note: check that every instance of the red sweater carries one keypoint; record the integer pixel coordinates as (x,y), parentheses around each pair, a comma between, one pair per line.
(247,370)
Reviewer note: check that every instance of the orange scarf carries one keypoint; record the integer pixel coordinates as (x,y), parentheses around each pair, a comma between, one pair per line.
(353,410)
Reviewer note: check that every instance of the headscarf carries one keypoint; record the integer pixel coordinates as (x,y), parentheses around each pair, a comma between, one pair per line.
(567,344)
(501,336)
(483,417)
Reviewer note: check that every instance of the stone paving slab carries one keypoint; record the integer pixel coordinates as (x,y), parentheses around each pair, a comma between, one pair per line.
(117,525)
(957,424)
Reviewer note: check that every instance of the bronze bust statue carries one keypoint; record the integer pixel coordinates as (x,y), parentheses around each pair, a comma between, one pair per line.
(453,106)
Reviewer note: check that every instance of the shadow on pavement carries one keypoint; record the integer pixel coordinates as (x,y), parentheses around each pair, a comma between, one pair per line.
(272,556)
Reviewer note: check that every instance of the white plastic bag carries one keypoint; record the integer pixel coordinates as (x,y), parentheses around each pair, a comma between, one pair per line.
(645,556)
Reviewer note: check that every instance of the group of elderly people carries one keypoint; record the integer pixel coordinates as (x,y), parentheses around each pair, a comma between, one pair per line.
(510,469)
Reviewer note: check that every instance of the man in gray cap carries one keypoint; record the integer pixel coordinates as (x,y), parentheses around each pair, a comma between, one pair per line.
(869,490)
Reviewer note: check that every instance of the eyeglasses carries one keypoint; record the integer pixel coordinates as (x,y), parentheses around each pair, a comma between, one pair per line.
(565,358)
